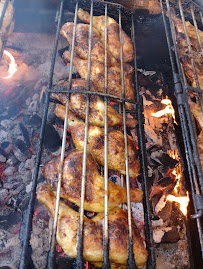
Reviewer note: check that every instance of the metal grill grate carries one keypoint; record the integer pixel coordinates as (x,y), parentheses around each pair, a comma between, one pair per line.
(187,11)
(25,261)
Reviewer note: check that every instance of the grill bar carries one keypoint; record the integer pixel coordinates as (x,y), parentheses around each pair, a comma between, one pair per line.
(26,226)
(131,260)
(106,263)
(51,255)
(151,262)
(79,260)
(181,88)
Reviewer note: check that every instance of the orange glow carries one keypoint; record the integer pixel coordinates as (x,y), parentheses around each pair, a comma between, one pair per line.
(183,201)
(12,65)
(167,110)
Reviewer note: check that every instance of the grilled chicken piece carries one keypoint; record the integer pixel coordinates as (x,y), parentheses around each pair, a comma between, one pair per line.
(82,44)
(94,190)
(77,105)
(184,53)
(116,145)
(113,77)
(113,38)
(197,112)
(93,232)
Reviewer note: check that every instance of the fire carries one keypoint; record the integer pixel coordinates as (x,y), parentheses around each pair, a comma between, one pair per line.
(12,66)
(183,201)
(167,110)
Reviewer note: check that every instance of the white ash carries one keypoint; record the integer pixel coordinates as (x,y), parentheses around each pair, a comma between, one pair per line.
(2,159)
(20,156)
(3,195)
(33,106)
(159,233)
(29,164)
(138,212)
(161,204)
(29,187)
(9,171)
(3,136)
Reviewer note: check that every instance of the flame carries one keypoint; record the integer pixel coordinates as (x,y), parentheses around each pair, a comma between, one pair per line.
(183,201)
(12,66)
(167,110)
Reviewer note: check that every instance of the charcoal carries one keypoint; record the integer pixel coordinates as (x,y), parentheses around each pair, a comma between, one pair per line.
(25,133)
(9,171)
(13,111)
(165,181)
(34,120)
(33,107)
(2,159)
(52,140)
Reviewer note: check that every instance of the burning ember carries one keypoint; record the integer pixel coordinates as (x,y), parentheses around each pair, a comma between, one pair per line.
(183,201)
(167,110)
(12,66)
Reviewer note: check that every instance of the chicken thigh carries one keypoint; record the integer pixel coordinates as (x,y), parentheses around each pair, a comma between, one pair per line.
(93,233)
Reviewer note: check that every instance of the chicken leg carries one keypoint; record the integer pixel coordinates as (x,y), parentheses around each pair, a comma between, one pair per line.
(113,77)
(113,35)
(94,190)
(93,232)
(77,105)
(116,145)
(82,44)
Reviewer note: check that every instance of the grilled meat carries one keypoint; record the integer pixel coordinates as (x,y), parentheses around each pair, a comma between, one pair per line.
(81,42)
(93,232)
(77,105)
(113,77)
(95,145)
(113,38)
(197,112)
(184,54)
(94,190)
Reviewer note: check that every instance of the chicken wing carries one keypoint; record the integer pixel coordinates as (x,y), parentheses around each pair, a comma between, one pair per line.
(116,145)
(81,42)
(113,77)
(77,105)
(113,37)
(93,232)
(94,190)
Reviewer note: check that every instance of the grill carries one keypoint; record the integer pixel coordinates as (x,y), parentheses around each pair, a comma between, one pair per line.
(188,11)
(182,90)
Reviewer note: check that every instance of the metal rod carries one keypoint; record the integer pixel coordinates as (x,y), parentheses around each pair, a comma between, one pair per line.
(131,260)
(79,259)
(51,255)
(106,263)
(62,90)
(151,262)
(25,260)
(196,28)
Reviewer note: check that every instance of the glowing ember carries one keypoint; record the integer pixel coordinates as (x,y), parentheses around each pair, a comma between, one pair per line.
(12,66)
(183,201)
(167,110)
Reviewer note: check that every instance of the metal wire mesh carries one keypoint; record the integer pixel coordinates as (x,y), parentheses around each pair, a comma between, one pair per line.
(188,16)
(24,261)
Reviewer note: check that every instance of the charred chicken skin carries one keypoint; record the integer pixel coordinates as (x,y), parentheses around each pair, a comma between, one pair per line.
(94,190)
(93,233)
(77,105)
(82,44)
(113,77)
(113,38)
(95,145)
